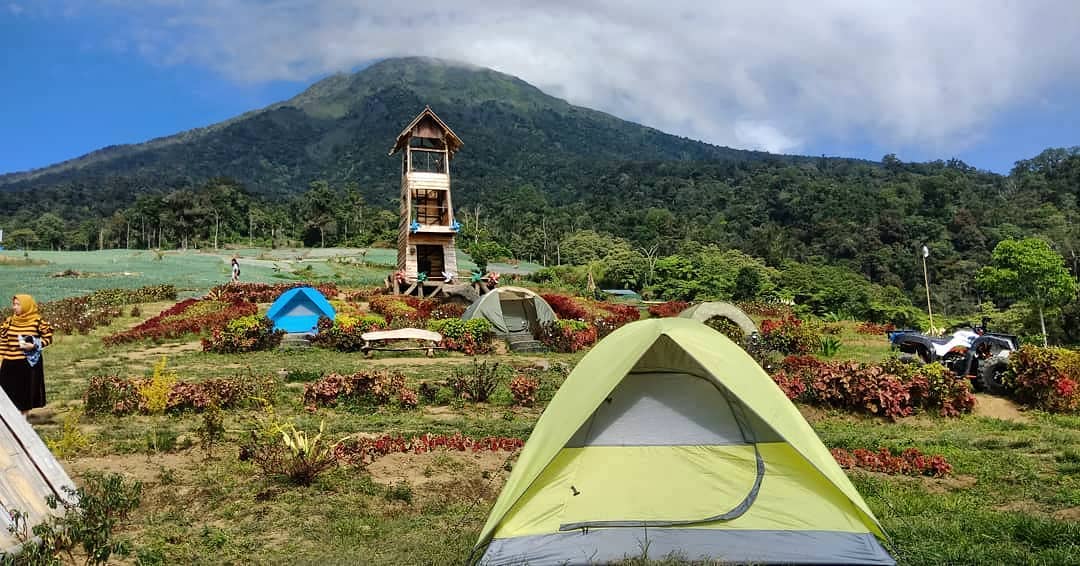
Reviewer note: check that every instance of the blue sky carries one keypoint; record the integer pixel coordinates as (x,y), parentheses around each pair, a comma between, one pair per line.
(987,83)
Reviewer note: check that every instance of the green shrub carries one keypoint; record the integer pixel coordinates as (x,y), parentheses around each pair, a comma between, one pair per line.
(245,334)
(89,517)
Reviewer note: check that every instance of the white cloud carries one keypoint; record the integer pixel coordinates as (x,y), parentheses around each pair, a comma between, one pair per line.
(774,74)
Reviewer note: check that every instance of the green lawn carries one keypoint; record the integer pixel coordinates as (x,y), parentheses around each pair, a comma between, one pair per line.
(1014,497)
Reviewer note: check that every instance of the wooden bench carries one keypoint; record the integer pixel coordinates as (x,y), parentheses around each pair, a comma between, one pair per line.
(378,340)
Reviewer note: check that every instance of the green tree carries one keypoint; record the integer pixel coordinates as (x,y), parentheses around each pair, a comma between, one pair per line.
(484,251)
(24,238)
(1029,270)
(50,229)
(584,246)
(319,204)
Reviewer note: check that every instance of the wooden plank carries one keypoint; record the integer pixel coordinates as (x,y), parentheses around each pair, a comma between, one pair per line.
(50,469)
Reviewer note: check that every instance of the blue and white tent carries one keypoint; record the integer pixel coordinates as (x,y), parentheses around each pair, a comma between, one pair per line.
(299,309)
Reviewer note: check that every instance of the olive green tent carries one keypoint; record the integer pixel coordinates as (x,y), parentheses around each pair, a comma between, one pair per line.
(667,439)
(511,310)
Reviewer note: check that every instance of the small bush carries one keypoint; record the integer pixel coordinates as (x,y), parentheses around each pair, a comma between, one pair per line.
(71,439)
(245,334)
(361,389)
(830,346)
(212,429)
(471,336)
(727,327)
(400,491)
(1045,378)
(477,383)
(119,396)
(668,309)
(344,333)
(874,328)
(892,389)
(524,390)
(289,453)
(910,462)
(90,515)
(568,335)
(789,336)
(155,392)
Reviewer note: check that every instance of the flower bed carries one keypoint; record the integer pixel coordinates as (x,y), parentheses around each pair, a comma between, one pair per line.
(363,451)
(83,314)
(789,335)
(1045,378)
(874,328)
(361,389)
(669,309)
(122,396)
(264,292)
(245,334)
(567,335)
(403,309)
(910,462)
(470,336)
(177,321)
(343,333)
(891,389)
(604,316)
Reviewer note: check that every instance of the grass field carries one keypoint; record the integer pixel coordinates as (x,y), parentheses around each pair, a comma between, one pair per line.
(1014,497)
(194,272)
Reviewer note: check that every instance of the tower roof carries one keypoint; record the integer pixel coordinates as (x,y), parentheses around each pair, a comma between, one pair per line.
(453,143)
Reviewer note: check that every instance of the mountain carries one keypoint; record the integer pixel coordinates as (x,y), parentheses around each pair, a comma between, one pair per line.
(340,128)
(535,169)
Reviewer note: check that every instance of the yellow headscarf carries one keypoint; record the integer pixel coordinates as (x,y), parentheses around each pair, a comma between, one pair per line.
(29,314)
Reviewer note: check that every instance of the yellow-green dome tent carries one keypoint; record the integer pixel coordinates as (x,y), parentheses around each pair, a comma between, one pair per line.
(667,439)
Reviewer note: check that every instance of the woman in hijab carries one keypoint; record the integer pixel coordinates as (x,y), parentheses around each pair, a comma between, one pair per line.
(22,371)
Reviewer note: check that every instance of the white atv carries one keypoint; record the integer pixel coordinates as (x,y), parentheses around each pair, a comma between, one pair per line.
(980,355)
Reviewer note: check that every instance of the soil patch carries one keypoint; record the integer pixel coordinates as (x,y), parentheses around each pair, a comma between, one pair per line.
(945,485)
(441,413)
(998,408)
(166,350)
(137,466)
(1070,514)
(444,474)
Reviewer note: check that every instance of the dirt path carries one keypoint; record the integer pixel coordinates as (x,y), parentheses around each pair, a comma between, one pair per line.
(998,408)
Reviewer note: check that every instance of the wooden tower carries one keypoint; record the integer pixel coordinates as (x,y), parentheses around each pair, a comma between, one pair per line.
(426,253)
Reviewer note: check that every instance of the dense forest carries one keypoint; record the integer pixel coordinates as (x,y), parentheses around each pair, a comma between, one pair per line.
(542,180)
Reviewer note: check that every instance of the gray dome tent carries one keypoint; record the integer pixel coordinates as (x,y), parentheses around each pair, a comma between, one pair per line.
(705,311)
(511,310)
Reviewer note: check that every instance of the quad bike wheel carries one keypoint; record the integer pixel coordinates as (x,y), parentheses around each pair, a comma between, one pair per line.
(991,375)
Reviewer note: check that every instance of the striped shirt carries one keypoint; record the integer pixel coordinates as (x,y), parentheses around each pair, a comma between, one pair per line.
(9,337)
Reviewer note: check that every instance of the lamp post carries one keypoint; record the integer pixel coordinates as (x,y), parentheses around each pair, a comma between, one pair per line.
(926,278)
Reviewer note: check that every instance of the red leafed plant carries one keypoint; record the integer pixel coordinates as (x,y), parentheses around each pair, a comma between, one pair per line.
(604,316)
(874,328)
(264,292)
(668,309)
(1045,378)
(910,462)
(186,317)
(364,389)
(524,390)
(891,389)
(362,451)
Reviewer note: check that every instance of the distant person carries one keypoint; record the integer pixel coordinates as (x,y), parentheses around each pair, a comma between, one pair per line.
(22,370)
(235,271)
